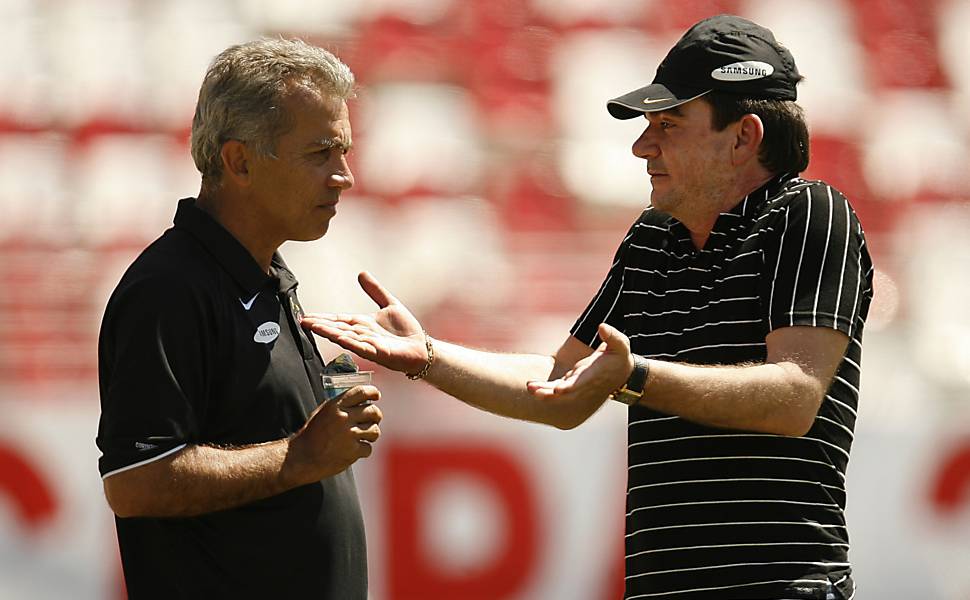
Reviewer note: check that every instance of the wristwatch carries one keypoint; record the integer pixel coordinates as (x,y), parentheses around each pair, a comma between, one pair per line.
(631,391)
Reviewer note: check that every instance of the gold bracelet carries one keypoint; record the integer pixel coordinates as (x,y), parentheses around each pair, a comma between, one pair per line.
(427,367)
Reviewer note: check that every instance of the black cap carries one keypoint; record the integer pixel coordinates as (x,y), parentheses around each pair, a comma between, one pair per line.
(724,53)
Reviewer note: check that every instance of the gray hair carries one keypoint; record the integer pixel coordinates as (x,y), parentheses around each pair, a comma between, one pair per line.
(241,94)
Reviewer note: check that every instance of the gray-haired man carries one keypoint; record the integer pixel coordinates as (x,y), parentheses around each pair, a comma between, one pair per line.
(228,471)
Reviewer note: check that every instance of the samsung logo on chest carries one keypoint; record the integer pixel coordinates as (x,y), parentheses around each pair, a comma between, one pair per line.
(267,332)
(743,71)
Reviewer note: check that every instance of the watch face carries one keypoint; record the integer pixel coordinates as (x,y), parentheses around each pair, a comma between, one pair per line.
(626,396)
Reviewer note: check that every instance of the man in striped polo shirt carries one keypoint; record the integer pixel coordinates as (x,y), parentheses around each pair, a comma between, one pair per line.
(730,321)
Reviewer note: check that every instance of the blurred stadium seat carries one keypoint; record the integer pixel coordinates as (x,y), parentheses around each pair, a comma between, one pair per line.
(492,189)
(836,86)
(123,186)
(900,37)
(407,150)
(912,148)
(499,101)
(35,208)
(953,21)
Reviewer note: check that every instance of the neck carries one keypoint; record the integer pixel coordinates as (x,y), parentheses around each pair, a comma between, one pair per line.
(701,224)
(245,227)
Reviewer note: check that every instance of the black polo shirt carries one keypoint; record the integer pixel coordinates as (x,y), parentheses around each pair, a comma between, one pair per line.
(199,346)
(718,514)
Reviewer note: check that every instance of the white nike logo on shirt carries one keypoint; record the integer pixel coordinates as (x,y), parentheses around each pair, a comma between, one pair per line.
(248,305)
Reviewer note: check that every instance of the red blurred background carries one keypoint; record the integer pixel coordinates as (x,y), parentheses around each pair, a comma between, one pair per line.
(492,189)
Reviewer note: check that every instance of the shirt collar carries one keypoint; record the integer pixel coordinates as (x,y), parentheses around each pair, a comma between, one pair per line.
(742,213)
(751,204)
(231,254)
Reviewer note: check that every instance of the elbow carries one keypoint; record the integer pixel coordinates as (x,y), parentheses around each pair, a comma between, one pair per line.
(569,419)
(118,503)
(804,408)
(791,423)
(560,417)
(120,507)
(121,501)
(565,424)
(799,425)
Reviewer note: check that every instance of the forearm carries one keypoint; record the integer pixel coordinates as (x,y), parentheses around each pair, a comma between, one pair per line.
(202,479)
(771,398)
(494,382)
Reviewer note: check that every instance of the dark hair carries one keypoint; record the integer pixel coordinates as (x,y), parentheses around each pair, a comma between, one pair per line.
(784,148)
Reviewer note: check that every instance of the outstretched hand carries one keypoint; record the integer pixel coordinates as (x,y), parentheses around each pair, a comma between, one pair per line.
(594,377)
(391,336)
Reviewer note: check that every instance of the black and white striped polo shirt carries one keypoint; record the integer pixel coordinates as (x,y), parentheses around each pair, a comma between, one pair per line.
(716,513)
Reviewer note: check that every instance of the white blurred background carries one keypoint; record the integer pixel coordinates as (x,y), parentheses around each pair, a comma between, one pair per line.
(493,188)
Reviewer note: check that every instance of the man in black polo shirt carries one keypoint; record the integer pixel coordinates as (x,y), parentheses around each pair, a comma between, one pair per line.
(225,459)
(743,291)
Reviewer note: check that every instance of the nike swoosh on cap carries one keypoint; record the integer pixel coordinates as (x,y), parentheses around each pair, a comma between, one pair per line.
(248,305)
(652,100)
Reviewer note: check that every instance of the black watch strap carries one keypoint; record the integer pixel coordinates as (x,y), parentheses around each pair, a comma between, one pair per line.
(631,392)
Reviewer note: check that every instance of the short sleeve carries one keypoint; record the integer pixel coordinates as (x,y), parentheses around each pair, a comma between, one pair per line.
(817,267)
(152,363)
(602,308)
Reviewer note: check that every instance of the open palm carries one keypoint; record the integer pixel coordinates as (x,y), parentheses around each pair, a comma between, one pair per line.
(391,336)
(595,376)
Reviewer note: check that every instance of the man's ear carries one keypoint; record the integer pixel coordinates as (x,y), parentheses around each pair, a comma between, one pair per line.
(235,161)
(749,131)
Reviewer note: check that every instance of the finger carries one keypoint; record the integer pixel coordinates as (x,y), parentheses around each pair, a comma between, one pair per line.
(348,340)
(326,328)
(361,348)
(377,292)
(322,319)
(541,387)
(364,449)
(564,385)
(544,393)
(363,414)
(315,316)
(351,318)
(360,394)
(614,339)
(338,320)
(364,328)
(363,331)
(368,434)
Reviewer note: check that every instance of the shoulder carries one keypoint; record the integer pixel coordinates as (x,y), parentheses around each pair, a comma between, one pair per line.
(651,222)
(654,218)
(174,273)
(803,199)
(803,194)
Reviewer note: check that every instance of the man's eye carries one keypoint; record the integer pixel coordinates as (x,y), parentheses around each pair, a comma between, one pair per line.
(326,152)
(666,124)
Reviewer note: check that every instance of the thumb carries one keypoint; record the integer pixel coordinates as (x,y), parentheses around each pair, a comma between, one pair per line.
(377,292)
(614,339)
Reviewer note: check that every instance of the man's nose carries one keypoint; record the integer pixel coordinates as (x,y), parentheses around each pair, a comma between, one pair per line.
(343,178)
(646,146)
